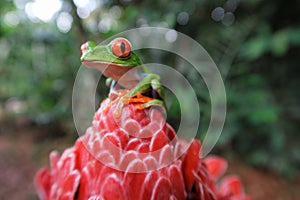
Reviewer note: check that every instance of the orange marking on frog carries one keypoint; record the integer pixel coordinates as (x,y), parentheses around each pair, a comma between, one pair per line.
(139,100)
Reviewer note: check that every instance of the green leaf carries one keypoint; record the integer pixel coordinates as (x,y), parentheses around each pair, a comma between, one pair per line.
(255,47)
(280,43)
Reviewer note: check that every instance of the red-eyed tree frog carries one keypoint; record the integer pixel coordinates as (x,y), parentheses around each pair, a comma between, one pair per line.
(123,68)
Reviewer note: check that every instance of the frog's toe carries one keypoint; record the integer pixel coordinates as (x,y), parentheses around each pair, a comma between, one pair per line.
(153,103)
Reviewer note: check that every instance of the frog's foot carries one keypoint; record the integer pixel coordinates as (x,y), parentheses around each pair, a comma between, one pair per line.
(140,101)
(153,102)
(113,97)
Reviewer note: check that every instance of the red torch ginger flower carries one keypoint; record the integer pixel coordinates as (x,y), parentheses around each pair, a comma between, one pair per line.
(136,156)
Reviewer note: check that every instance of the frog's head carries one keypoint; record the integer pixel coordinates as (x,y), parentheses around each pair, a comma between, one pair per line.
(113,60)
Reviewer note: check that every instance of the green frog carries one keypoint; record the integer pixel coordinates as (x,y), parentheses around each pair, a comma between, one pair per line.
(124,69)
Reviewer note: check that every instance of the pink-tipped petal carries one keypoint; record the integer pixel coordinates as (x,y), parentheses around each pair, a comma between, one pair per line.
(176,178)
(42,183)
(190,164)
(162,189)
(158,141)
(216,166)
(113,189)
(231,185)
(147,187)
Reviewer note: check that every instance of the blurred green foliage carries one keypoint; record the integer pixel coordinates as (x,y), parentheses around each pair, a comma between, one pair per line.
(255,44)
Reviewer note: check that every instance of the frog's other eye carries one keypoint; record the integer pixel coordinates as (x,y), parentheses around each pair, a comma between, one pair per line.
(121,47)
(83,48)
(87,46)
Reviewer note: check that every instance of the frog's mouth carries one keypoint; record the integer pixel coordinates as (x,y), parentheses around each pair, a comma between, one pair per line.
(117,72)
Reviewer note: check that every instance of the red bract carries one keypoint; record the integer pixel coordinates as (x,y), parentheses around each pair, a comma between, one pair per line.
(135,156)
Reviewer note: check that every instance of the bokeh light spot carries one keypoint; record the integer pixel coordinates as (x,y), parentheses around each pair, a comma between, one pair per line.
(115,12)
(83,12)
(231,5)
(171,36)
(20,4)
(218,14)
(11,19)
(64,22)
(228,19)
(105,25)
(183,18)
(42,9)
(81,3)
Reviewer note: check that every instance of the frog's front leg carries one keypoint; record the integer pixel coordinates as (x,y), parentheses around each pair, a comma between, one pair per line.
(157,90)
(157,94)
(112,91)
(113,87)
(144,85)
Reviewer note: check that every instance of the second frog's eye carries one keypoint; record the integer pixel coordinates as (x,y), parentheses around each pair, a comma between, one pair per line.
(121,47)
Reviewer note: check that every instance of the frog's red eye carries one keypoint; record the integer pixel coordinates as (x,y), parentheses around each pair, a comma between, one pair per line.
(121,47)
